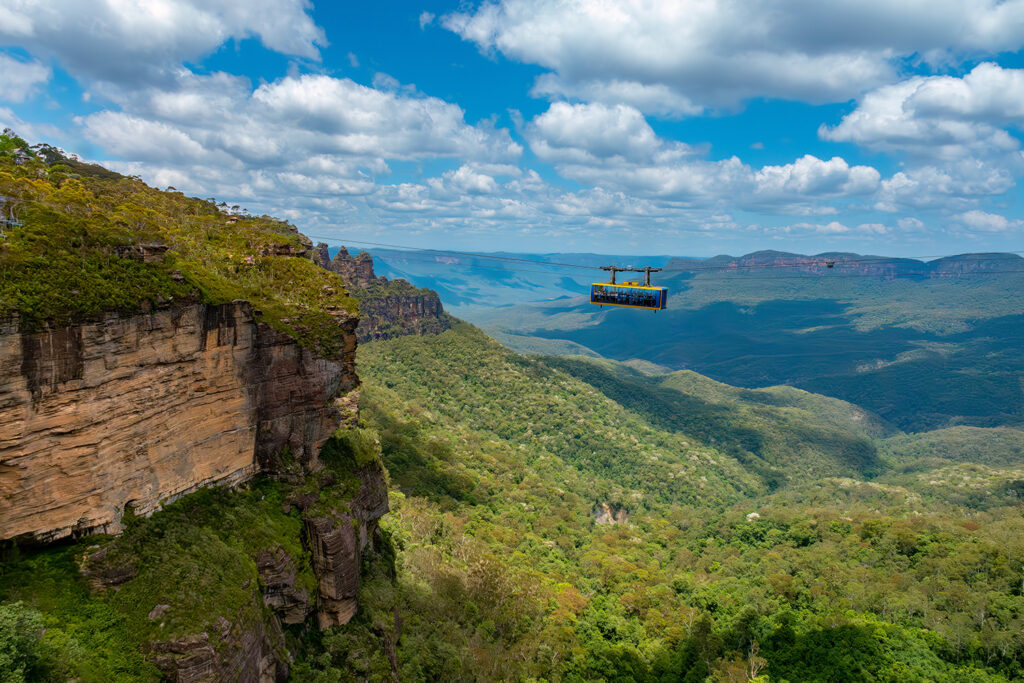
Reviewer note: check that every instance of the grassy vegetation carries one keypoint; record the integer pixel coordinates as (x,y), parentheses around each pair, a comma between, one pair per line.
(761,534)
(939,305)
(780,432)
(492,565)
(71,257)
(197,556)
(922,353)
(558,424)
(539,345)
(85,637)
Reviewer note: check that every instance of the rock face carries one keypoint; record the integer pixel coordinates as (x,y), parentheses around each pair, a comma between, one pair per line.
(277,575)
(337,541)
(394,316)
(134,411)
(387,308)
(609,514)
(235,652)
(356,271)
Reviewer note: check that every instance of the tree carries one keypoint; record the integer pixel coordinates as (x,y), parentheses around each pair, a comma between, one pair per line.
(20,631)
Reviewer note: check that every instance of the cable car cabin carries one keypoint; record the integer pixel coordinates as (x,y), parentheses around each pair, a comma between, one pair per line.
(629,295)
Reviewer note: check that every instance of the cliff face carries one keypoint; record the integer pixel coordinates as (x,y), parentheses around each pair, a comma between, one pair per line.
(397,315)
(133,411)
(387,308)
(337,542)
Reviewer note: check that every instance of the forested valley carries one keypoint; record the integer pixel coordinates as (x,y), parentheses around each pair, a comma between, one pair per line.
(550,523)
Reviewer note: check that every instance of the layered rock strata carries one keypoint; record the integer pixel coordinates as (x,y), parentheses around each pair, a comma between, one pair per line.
(337,542)
(387,308)
(395,316)
(233,651)
(278,575)
(130,412)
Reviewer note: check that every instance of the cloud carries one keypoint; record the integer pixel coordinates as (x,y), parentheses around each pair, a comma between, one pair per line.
(910,224)
(292,142)
(587,133)
(988,222)
(466,180)
(614,147)
(955,186)
(658,99)
(132,42)
(18,79)
(832,229)
(667,56)
(811,176)
(939,117)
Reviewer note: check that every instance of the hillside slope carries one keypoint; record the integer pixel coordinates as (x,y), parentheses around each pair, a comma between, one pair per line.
(537,538)
(781,432)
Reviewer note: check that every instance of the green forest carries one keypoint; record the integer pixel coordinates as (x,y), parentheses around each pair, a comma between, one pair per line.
(543,529)
(81,240)
(871,562)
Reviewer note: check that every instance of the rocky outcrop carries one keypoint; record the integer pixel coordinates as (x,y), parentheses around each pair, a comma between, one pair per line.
(277,576)
(130,412)
(356,271)
(394,316)
(610,514)
(387,309)
(337,541)
(242,650)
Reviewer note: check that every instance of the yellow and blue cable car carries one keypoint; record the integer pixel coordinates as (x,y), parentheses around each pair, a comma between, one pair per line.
(629,294)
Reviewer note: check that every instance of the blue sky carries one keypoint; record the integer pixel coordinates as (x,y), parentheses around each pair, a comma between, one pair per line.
(620,126)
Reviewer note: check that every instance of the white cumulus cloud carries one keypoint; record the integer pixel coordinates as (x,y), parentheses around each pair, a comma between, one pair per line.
(613,147)
(129,41)
(988,222)
(18,79)
(666,55)
(295,141)
(941,117)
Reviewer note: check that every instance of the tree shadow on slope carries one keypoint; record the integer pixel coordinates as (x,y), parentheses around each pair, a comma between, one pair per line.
(749,433)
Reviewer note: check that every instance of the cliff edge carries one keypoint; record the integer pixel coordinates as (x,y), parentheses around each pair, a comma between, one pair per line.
(388,308)
(152,345)
(131,412)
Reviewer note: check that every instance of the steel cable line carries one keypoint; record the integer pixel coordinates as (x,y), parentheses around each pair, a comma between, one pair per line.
(460,253)
(985,256)
(725,273)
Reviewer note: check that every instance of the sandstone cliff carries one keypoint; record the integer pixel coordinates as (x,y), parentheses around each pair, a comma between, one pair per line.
(134,411)
(122,389)
(388,308)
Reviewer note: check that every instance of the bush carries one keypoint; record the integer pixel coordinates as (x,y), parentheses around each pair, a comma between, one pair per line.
(21,631)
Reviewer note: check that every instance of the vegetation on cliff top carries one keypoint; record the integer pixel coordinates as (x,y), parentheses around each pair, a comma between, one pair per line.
(80,241)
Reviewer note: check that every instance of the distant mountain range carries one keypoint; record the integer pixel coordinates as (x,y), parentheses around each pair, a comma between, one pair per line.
(925,344)
(846,262)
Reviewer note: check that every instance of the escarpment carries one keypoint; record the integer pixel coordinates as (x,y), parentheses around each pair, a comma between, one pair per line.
(130,412)
(145,359)
(388,308)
